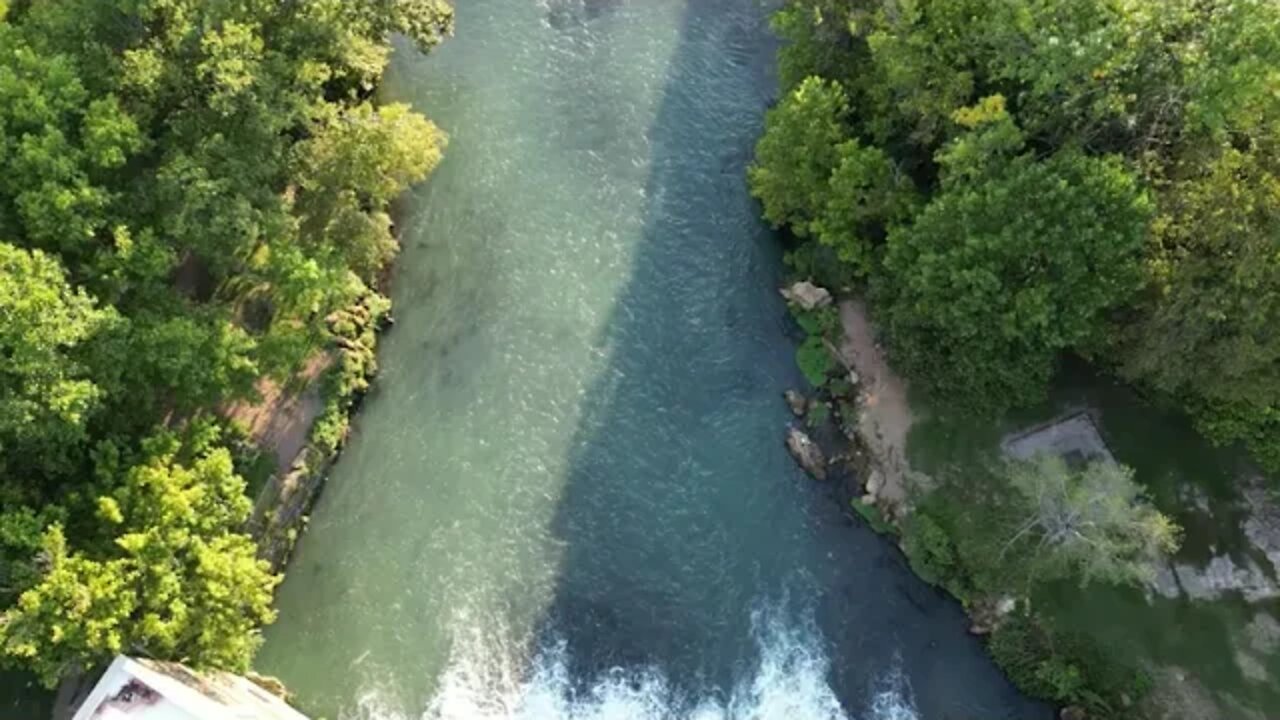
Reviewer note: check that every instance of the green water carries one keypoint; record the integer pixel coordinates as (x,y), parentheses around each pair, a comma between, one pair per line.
(1175,464)
(568,494)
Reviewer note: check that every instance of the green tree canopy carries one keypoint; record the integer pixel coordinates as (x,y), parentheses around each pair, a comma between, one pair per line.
(796,156)
(46,393)
(175,579)
(961,101)
(188,191)
(983,289)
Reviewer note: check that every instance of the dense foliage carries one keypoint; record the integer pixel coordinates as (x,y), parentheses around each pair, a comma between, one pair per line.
(1013,180)
(192,193)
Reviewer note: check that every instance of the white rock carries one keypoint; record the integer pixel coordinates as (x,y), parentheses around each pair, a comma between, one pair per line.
(875,482)
(807,295)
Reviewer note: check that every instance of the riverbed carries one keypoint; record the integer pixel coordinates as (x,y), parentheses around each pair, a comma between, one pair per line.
(567,496)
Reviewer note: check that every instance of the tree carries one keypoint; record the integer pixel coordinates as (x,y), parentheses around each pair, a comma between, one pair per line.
(46,394)
(177,580)
(867,192)
(1095,523)
(818,41)
(1204,330)
(426,22)
(798,153)
(75,614)
(984,289)
(190,189)
(353,165)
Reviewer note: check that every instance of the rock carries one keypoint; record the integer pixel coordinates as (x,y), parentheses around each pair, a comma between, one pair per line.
(807,454)
(867,499)
(854,378)
(796,402)
(807,295)
(1072,712)
(875,481)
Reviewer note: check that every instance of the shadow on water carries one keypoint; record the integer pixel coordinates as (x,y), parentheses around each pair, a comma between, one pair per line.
(682,513)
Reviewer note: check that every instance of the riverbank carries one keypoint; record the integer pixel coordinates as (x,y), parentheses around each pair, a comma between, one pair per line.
(1205,645)
(304,431)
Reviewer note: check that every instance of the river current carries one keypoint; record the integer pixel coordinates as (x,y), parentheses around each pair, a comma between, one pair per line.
(567,496)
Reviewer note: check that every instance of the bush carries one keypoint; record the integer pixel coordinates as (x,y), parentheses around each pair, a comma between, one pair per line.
(819,262)
(933,555)
(814,360)
(824,322)
(1065,668)
(818,414)
(873,516)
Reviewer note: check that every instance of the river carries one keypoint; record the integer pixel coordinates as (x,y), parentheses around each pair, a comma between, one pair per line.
(568,496)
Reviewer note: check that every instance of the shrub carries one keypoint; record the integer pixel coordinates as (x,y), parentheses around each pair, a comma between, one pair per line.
(818,414)
(933,555)
(1068,669)
(814,360)
(824,322)
(873,516)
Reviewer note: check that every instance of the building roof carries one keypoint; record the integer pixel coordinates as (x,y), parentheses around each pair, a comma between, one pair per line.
(140,689)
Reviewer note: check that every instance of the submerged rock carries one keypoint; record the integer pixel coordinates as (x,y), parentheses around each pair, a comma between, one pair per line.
(1253,574)
(1072,712)
(807,295)
(1224,575)
(807,454)
(1262,527)
(796,402)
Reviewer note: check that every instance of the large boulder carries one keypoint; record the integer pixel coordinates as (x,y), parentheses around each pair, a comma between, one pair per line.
(807,295)
(807,454)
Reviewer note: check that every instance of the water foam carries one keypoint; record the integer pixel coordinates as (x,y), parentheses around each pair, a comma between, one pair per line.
(789,683)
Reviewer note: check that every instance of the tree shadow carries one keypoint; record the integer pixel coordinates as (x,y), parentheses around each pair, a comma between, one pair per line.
(682,513)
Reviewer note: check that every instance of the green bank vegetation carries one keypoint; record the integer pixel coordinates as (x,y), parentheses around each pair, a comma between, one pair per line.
(1009,182)
(193,195)
(1013,180)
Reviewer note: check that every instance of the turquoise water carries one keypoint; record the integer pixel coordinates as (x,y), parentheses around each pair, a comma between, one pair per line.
(568,496)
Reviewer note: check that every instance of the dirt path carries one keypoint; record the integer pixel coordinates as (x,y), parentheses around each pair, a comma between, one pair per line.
(280,422)
(886,418)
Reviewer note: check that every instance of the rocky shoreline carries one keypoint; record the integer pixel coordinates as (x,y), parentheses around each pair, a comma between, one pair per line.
(860,422)
(859,440)
(281,509)
(856,442)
